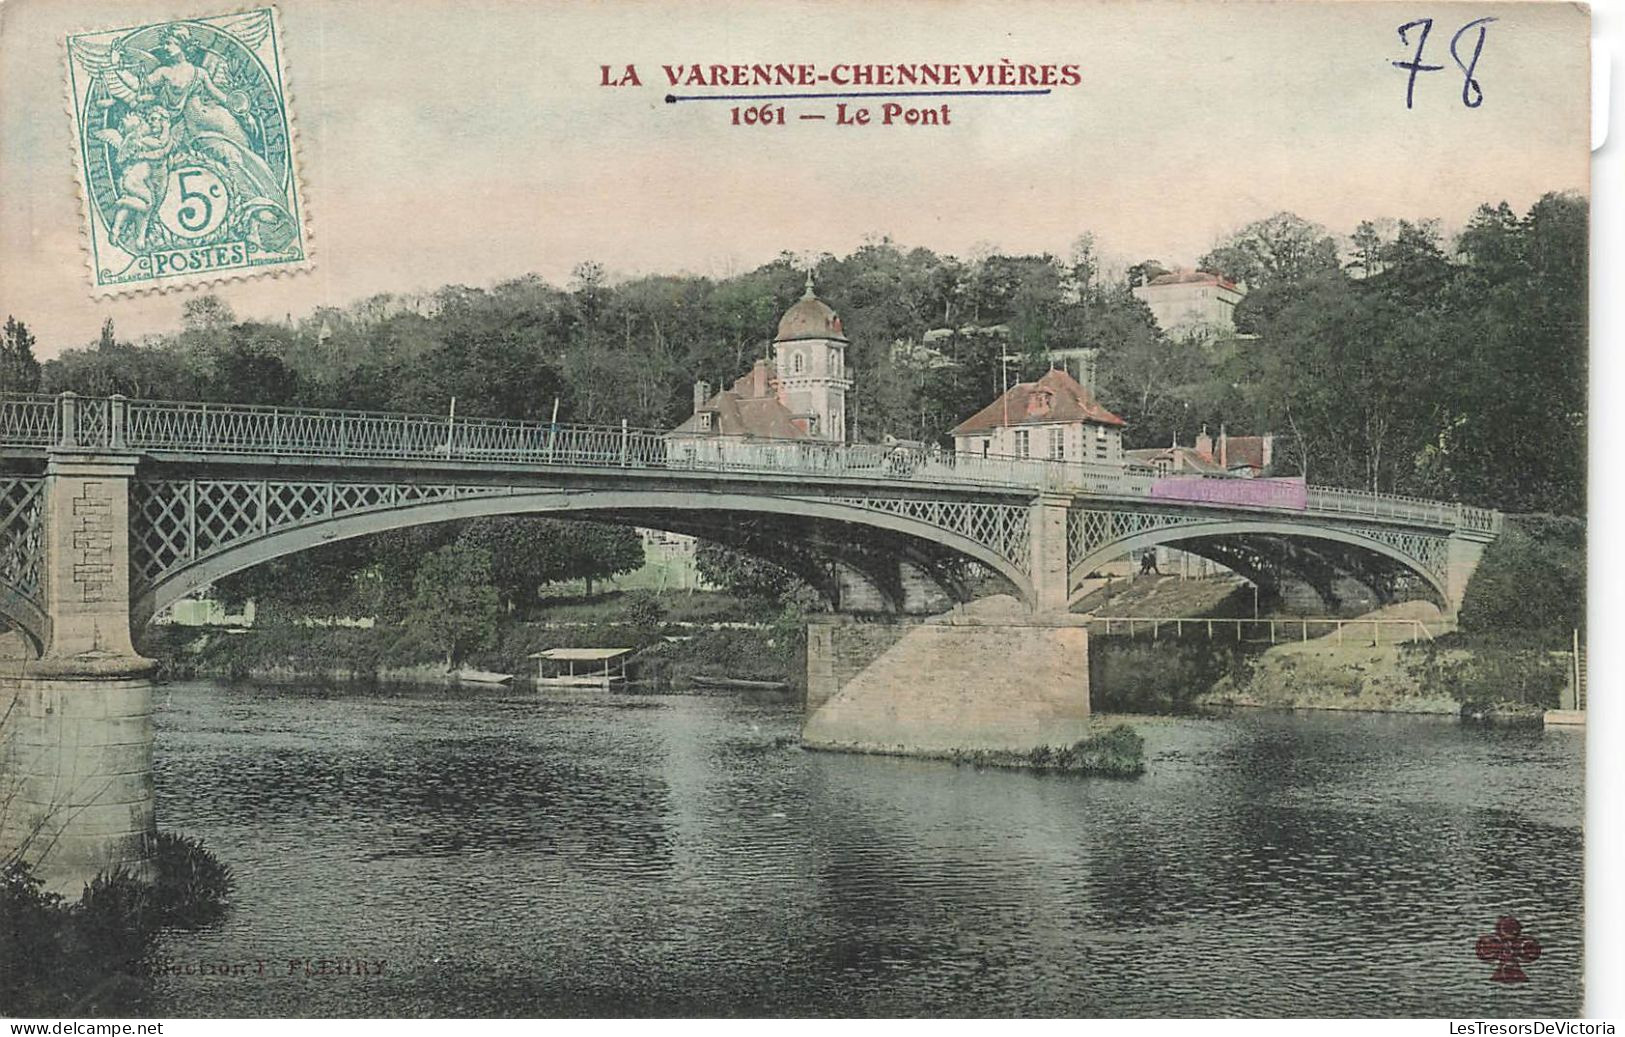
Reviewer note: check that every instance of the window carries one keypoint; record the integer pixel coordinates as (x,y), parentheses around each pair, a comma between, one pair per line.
(1023,446)
(705,421)
(986,444)
(1100,443)
(798,362)
(835,362)
(1057,444)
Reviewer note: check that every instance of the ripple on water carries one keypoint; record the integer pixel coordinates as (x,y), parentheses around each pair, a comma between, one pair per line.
(578,853)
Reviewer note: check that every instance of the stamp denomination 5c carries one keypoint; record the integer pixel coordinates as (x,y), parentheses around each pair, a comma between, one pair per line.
(186,152)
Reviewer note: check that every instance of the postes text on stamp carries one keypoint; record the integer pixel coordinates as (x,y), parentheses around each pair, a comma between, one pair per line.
(185,152)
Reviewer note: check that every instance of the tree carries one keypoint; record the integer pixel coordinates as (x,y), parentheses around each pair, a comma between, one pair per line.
(454,607)
(744,575)
(19,370)
(528,552)
(206,313)
(1279,249)
(1144,272)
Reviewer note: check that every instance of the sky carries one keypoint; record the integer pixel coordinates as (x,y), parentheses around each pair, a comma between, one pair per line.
(471,142)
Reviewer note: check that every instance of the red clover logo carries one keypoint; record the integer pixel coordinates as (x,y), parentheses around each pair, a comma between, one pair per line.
(1510,950)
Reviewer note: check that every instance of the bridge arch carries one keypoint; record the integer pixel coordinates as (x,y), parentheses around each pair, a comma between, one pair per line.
(24,613)
(1183,535)
(610,505)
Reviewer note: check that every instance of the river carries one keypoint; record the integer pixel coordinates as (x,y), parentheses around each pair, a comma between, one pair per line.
(513,853)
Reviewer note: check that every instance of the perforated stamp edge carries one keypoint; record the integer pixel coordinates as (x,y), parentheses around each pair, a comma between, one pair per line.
(185,282)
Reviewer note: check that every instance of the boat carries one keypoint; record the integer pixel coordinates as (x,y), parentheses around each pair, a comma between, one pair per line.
(603,668)
(702,681)
(469,675)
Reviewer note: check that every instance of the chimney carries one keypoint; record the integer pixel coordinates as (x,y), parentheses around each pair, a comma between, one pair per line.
(758,379)
(1204,444)
(702,392)
(1224,448)
(1269,448)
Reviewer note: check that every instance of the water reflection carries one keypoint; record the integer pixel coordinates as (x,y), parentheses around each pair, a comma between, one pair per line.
(578,853)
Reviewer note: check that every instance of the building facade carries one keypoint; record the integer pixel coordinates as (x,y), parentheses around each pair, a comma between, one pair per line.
(1192,302)
(1054,418)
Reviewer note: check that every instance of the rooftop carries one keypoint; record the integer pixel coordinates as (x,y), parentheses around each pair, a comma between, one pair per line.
(1192,277)
(752,409)
(1055,398)
(809,318)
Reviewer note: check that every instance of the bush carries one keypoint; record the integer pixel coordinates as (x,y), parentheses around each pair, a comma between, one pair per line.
(1488,674)
(1117,753)
(644,611)
(58,957)
(1530,586)
(192,888)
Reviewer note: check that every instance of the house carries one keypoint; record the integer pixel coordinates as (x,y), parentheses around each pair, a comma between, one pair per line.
(1054,418)
(800,394)
(1192,302)
(756,407)
(1245,457)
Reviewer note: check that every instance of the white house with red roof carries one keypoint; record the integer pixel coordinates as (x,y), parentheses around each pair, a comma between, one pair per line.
(1189,302)
(1054,418)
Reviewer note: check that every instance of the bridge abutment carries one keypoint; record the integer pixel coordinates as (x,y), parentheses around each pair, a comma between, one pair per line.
(1462,555)
(77,729)
(974,678)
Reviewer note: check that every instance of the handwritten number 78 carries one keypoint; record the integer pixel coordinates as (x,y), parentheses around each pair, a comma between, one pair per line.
(1472,94)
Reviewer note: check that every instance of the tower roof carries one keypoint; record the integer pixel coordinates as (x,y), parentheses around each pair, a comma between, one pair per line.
(809,318)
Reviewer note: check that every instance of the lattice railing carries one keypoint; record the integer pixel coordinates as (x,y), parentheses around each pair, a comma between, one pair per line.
(29,420)
(1089,529)
(1003,529)
(175,522)
(21,532)
(1427,552)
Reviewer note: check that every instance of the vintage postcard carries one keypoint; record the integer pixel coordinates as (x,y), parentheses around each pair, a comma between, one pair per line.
(794,509)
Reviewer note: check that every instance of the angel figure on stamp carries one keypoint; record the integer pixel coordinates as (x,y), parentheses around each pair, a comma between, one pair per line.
(144,145)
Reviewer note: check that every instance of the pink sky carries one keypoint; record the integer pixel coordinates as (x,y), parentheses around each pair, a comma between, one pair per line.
(471,142)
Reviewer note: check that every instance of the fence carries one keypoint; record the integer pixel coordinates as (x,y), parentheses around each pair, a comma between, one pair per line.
(1273,631)
(282,433)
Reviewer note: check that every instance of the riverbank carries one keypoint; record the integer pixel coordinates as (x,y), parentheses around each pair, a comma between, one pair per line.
(666,656)
(1452,675)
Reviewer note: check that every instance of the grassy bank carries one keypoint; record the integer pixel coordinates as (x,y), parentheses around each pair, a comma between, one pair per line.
(1452,674)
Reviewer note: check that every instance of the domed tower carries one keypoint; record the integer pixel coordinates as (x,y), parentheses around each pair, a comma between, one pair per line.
(809,357)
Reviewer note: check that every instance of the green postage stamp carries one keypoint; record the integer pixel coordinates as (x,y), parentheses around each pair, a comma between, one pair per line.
(185,151)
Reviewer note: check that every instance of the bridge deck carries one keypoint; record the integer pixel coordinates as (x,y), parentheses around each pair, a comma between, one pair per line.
(207,434)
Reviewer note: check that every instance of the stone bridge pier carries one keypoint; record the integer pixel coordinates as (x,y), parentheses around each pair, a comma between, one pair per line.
(76,734)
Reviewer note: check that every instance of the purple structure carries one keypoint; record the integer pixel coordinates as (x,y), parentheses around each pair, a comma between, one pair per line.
(1261,493)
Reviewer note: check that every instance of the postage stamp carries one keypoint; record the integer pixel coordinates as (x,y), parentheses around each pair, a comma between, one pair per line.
(185,152)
